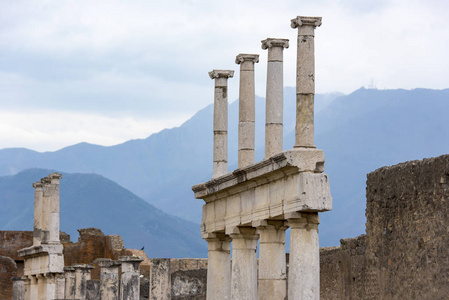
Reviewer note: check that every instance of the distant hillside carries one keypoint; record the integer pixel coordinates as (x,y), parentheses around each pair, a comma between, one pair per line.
(90,200)
(358,133)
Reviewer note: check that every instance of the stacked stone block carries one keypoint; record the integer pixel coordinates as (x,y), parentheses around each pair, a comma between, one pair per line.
(259,201)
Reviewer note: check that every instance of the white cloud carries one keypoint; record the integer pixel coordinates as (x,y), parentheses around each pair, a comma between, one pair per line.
(147,59)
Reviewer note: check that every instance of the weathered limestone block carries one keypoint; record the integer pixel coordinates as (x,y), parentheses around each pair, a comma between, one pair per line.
(219,267)
(129,284)
(109,283)
(288,182)
(38,198)
(93,290)
(160,279)
(60,286)
(82,275)
(70,283)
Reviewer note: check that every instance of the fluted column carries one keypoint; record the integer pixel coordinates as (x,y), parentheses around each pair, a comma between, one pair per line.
(274,96)
(304,261)
(219,267)
(305,80)
(246,109)
(130,281)
(244,264)
(220,165)
(272,282)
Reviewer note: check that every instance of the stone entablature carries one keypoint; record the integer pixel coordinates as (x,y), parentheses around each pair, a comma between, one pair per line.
(285,183)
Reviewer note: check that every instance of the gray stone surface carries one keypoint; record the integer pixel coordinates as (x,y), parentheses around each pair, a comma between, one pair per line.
(160,279)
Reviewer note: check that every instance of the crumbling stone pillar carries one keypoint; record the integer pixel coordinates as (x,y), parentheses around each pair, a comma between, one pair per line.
(82,275)
(244,263)
(60,286)
(219,267)
(305,80)
(70,282)
(37,213)
(19,288)
(93,290)
(33,291)
(304,261)
(247,110)
(220,165)
(130,281)
(160,279)
(274,96)
(109,283)
(272,265)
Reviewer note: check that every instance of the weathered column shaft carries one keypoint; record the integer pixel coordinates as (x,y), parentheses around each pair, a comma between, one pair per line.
(54,208)
(247,116)
(109,283)
(274,96)
(37,213)
(304,261)
(160,279)
(60,287)
(272,266)
(45,215)
(244,264)
(130,281)
(220,164)
(305,80)
(219,268)
(50,286)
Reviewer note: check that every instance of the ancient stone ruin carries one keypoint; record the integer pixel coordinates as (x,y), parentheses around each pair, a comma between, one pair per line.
(259,201)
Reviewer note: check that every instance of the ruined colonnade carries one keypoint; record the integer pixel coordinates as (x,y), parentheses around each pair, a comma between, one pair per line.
(258,201)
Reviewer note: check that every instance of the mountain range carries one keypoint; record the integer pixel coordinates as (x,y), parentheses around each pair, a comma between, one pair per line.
(359,133)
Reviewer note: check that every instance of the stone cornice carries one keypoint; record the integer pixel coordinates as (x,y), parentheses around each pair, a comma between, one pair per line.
(43,249)
(221,74)
(306,21)
(282,164)
(272,42)
(246,57)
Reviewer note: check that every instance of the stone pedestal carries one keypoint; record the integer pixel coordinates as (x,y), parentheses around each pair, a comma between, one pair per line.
(220,163)
(130,282)
(272,266)
(160,279)
(247,104)
(274,96)
(219,267)
(70,283)
(305,80)
(304,261)
(82,275)
(244,264)
(19,288)
(109,283)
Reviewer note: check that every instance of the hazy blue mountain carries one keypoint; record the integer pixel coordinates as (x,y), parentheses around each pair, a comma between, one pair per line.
(358,133)
(90,200)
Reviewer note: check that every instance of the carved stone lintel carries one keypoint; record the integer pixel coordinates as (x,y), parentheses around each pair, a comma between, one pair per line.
(306,21)
(271,42)
(221,74)
(246,57)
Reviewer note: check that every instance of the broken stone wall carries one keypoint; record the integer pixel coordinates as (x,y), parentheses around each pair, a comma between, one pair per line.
(404,254)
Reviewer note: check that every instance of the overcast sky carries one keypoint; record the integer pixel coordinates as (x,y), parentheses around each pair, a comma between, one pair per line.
(108,71)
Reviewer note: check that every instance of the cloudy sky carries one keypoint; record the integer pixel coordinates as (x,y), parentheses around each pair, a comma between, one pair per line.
(108,71)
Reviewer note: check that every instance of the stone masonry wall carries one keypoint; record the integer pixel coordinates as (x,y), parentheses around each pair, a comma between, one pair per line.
(405,251)
(8,269)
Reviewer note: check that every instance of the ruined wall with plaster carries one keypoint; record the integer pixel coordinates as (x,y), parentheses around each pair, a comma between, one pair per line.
(404,254)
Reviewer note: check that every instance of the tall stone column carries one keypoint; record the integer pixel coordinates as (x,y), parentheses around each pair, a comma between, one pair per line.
(272,265)
(130,281)
(45,215)
(244,264)
(247,111)
(304,261)
(109,283)
(274,96)
(220,165)
(37,213)
(53,198)
(219,267)
(305,80)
